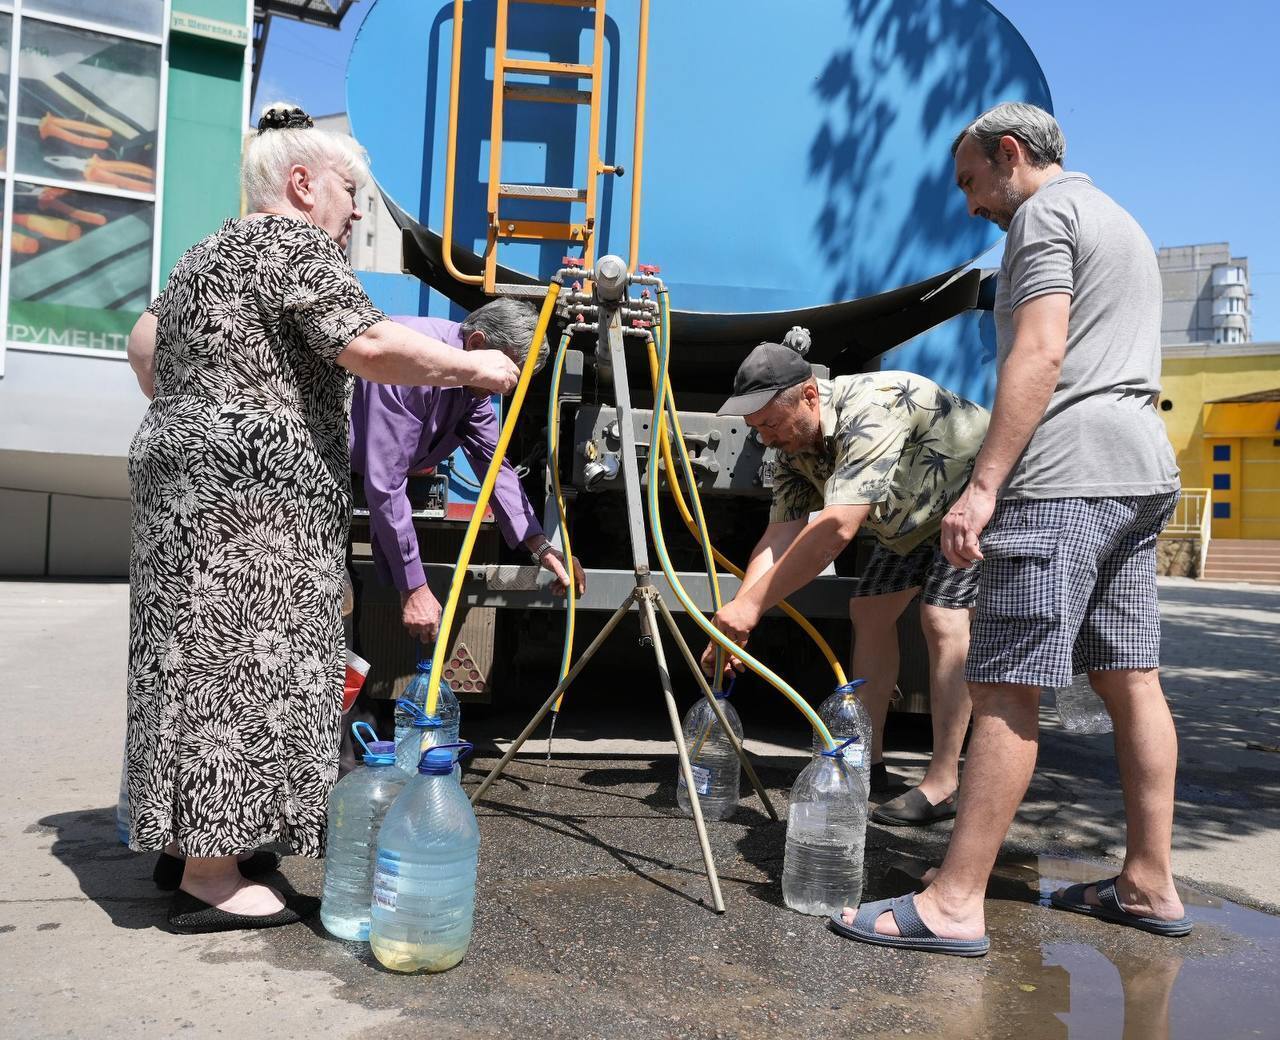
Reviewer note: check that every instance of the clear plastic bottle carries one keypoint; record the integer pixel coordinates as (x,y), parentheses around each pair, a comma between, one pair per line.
(417,733)
(357,806)
(716,770)
(1080,709)
(826,836)
(123,822)
(846,716)
(409,750)
(424,886)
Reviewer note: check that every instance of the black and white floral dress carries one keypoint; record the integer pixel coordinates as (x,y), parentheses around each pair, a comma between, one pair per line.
(241,495)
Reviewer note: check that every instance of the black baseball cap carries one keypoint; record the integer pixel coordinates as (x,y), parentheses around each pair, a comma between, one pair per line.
(767,370)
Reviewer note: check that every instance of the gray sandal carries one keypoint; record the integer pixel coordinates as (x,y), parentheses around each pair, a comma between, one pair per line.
(916,935)
(913,809)
(1072,899)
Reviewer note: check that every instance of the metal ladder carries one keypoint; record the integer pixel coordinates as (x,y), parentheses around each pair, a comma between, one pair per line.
(500,228)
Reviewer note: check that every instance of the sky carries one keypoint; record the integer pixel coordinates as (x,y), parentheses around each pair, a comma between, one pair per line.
(1171,106)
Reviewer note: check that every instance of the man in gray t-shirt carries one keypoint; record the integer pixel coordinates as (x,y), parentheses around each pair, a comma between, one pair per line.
(1073,484)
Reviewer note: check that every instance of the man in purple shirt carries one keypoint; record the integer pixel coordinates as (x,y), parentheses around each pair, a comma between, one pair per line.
(397,430)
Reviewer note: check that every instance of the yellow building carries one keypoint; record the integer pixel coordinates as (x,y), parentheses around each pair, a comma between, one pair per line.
(1221,405)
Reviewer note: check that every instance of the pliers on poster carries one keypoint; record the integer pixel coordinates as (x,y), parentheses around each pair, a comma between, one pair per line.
(72,131)
(50,200)
(115,172)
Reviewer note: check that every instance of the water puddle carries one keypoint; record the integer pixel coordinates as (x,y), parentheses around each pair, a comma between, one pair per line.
(1086,979)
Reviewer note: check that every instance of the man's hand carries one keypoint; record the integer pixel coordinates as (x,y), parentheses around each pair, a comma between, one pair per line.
(963,526)
(553,560)
(736,619)
(732,663)
(494,371)
(420,612)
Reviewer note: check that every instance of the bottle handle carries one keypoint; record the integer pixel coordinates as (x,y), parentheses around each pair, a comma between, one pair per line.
(355,732)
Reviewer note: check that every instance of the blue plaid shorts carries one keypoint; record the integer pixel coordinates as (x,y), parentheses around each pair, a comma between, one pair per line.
(924,567)
(1068,585)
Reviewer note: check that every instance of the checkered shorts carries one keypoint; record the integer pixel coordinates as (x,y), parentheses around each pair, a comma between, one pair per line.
(1068,585)
(924,567)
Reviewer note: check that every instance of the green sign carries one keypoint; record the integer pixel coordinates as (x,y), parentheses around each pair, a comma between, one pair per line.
(60,325)
(209,28)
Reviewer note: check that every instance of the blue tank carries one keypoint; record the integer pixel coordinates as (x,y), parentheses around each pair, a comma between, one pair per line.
(797,165)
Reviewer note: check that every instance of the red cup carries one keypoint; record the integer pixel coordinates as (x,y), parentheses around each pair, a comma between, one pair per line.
(357,670)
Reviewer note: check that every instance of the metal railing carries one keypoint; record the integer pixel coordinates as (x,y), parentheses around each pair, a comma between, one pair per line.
(1192,518)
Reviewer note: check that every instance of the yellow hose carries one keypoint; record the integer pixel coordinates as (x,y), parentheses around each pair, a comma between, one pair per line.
(553,462)
(655,521)
(482,501)
(696,529)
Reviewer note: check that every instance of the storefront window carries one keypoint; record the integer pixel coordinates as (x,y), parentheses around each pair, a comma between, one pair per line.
(145,16)
(82,226)
(80,267)
(88,107)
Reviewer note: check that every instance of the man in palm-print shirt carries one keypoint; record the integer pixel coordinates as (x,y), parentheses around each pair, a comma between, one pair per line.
(888,451)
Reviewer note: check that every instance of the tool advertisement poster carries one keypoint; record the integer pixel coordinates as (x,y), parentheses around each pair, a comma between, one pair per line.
(81,259)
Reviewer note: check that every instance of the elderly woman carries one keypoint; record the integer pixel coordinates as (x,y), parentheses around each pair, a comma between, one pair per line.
(241,501)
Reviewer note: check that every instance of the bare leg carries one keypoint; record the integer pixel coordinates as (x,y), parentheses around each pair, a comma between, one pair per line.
(946,631)
(217,881)
(1002,756)
(875,654)
(1147,757)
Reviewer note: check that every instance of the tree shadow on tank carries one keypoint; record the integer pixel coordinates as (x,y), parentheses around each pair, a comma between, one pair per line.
(911,76)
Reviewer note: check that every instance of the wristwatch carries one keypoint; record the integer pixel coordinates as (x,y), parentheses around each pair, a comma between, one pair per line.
(541,551)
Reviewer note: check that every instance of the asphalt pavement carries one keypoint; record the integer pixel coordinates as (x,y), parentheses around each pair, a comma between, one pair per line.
(593,915)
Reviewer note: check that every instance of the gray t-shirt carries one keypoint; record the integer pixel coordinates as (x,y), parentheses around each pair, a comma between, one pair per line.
(1100,436)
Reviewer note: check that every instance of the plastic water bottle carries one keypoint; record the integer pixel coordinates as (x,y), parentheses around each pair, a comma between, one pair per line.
(826,836)
(1080,709)
(417,732)
(122,803)
(448,711)
(712,760)
(357,806)
(846,716)
(424,885)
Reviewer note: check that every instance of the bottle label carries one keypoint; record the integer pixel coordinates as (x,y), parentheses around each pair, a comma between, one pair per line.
(386,878)
(701,779)
(855,754)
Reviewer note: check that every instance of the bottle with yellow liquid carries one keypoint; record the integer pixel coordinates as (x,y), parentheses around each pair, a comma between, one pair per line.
(424,884)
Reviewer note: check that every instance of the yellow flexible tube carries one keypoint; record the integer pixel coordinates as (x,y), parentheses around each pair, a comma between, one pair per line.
(482,501)
(655,521)
(553,462)
(697,530)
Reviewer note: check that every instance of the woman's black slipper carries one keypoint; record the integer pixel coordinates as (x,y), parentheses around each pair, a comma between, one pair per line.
(168,872)
(191,916)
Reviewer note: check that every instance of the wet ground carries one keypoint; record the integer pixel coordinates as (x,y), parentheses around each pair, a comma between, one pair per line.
(593,915)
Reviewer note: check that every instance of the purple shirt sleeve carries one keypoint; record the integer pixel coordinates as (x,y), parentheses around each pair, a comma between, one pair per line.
(392,431)
(478,438)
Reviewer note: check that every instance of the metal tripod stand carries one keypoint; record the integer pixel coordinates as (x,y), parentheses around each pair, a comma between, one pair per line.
(649,600)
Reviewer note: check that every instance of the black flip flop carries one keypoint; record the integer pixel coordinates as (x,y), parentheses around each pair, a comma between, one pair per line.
(1072,899)
(913,809)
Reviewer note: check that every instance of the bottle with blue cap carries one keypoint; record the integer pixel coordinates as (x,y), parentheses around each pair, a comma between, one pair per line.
(357,806)
(716,770)
(416,730)
(424,884)
(826,835)
(845,716)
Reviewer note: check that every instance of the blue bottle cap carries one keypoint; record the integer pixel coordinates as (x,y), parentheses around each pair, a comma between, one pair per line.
(424,666)
(438,761)
(849,687)
(380,753)
(427,722)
